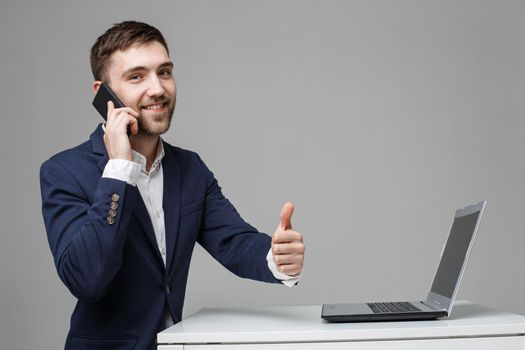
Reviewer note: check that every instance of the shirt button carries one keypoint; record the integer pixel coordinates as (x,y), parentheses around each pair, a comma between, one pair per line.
(163,251)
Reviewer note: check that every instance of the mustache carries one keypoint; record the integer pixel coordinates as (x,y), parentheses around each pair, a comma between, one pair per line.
(153,101)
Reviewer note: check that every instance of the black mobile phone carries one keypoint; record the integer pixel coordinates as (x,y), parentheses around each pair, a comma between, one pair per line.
(105,94)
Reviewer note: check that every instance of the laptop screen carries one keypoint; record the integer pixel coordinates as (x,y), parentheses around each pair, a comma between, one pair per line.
(454,254)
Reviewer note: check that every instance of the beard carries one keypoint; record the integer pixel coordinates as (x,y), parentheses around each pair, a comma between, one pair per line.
(159,123)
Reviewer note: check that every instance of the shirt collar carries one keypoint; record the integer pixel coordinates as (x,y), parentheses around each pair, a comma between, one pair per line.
(139,158)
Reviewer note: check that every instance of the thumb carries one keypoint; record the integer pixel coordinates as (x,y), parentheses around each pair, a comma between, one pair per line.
(286,216)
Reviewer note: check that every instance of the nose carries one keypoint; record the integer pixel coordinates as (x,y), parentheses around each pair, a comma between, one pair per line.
(155,88)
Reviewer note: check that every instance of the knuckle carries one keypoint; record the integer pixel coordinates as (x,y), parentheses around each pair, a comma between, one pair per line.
(289,269)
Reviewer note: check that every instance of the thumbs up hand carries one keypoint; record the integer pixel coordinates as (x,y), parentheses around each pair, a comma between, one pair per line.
(287,245)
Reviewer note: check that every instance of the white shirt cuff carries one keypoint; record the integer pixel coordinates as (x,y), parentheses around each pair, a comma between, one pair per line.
(288,281)
(124,170)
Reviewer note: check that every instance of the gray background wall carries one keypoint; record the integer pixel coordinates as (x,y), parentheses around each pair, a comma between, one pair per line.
(377,118)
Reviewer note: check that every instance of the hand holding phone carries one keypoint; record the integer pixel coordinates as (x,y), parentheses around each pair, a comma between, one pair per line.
(117,145)
(102,97)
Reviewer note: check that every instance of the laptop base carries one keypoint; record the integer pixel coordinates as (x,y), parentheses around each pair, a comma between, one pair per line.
(330,314)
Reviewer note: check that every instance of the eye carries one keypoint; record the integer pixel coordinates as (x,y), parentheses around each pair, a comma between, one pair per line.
(165,73)
(134,77)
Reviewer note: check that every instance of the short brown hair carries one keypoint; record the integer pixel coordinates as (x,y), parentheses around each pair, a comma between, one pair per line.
(120,37)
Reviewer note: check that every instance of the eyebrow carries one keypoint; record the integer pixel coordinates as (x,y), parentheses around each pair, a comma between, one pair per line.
(142,68)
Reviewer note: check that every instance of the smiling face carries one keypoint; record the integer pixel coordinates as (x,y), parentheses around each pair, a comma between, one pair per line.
(142,77)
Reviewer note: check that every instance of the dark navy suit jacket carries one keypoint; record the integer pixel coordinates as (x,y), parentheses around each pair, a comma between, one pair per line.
(114,267)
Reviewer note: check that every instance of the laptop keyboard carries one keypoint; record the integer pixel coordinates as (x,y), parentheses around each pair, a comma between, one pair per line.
(379,308)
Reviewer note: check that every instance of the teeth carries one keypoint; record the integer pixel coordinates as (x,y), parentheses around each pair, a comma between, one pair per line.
(154,106)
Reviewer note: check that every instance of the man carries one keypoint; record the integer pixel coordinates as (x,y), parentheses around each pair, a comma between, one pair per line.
(123,213)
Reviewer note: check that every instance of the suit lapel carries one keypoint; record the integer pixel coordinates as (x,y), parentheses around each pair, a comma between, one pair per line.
(144,220)
(171,201)
(98,147)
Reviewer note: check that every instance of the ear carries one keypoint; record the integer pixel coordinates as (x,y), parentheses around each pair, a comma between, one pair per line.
(96,85)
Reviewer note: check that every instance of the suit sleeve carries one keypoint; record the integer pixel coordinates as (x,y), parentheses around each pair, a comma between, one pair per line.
(86,238)
(238,246)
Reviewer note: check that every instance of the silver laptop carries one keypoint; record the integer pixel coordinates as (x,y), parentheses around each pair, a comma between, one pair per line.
(444,288)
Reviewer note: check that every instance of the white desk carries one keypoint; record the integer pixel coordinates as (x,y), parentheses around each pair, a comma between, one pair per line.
(301,327)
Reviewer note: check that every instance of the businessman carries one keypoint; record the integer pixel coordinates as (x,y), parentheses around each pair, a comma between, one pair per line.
(123,212)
